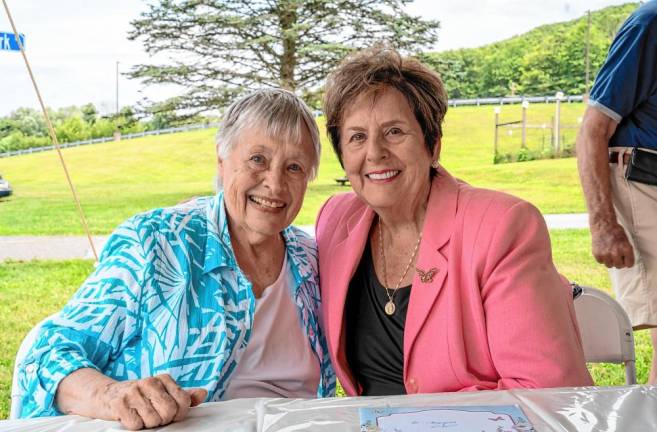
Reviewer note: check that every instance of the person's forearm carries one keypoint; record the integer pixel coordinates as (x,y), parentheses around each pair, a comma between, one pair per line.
(79,393)
(594,172)
(609,242)
(142,403)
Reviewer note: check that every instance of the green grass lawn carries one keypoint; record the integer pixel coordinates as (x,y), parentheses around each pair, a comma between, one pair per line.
(30,292)
(116,180)
(33,290)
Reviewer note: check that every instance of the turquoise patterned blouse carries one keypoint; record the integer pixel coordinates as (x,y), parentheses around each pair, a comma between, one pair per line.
(167,297)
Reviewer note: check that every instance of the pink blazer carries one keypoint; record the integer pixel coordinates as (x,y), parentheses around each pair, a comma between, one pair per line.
(497,315)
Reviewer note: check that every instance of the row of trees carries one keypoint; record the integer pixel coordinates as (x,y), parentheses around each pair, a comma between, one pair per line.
(543,61)
(26,127)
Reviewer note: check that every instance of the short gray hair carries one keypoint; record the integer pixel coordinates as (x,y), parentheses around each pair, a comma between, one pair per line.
(280,112)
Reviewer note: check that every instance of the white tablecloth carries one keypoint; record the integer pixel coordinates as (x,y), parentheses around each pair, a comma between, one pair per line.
(626,409)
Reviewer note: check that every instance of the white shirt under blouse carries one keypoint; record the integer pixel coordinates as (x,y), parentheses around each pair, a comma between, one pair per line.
(278,361)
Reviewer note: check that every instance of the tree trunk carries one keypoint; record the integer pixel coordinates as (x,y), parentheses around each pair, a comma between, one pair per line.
(288,19)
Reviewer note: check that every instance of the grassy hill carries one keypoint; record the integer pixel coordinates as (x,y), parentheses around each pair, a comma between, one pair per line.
(116,180)
(545,60)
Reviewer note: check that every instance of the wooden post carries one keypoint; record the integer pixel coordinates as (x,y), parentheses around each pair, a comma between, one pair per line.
(557,119)
(497,111)
(525,105)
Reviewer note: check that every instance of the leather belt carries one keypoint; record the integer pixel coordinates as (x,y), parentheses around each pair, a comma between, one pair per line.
(613,157)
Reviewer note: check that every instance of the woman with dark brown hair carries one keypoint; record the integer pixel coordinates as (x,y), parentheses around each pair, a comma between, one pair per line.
(429,284)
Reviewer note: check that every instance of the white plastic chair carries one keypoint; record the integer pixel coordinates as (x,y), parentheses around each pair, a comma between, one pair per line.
(606,331)
(16,402)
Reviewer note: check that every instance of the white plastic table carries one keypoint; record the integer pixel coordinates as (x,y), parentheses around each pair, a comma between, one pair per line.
(582,409)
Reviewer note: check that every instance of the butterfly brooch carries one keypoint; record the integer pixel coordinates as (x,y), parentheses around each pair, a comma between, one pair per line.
(426,276)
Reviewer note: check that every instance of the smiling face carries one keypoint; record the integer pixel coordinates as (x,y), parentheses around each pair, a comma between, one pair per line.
(383,151)
(264,181)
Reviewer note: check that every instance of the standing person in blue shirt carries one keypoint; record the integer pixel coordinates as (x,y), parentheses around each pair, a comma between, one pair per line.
(617,160)
(214,299)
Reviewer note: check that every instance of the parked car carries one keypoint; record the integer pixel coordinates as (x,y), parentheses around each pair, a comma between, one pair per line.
(5,188)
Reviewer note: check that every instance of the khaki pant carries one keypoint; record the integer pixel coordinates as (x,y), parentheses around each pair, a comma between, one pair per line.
(636,209)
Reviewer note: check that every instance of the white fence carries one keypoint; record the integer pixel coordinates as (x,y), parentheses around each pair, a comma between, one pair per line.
(454,103)
(514,100)
(108,139)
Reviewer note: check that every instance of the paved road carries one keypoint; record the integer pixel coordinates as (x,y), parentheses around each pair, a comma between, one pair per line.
(48,247)
(70,247)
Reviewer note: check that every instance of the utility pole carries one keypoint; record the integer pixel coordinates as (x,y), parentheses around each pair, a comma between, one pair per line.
(117,88)
(586,56)
(557,122)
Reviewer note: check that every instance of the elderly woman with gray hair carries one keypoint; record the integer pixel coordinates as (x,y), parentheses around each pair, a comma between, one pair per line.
(209,300)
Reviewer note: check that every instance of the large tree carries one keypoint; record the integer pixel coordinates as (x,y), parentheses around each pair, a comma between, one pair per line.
(216,49)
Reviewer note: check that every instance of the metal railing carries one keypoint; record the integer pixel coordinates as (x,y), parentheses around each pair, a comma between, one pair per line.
(108,139)
(514,100)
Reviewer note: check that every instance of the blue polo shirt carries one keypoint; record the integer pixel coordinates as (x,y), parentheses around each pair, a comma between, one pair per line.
(626,86)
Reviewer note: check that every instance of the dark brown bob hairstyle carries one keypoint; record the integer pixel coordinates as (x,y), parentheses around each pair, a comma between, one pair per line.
(378,68)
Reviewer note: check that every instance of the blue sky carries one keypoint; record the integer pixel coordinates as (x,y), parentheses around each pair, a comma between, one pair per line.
(74,45)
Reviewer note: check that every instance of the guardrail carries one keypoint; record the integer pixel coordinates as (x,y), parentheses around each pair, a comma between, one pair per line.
(108,139)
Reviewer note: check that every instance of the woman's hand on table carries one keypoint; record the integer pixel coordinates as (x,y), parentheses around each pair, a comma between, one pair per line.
(148,402)
(137,404)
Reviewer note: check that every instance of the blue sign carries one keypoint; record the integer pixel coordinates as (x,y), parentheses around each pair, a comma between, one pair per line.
(8,41)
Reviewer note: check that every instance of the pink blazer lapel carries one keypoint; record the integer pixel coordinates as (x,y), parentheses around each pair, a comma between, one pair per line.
(437,230)
(348,252)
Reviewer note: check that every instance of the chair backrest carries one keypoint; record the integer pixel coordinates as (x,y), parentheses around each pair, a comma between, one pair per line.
(28,341)
(606,331)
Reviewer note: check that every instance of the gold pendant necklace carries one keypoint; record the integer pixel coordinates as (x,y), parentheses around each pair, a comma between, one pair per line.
(390,305)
